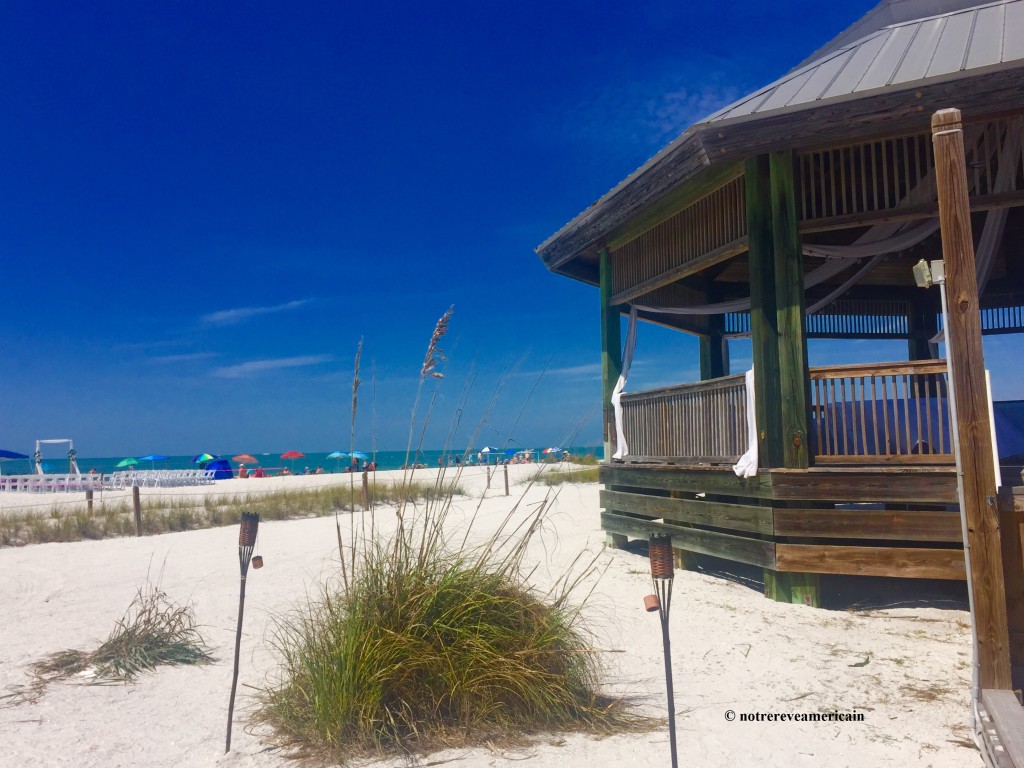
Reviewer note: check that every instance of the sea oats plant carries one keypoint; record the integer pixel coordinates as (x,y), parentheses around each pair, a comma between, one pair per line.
(429,640)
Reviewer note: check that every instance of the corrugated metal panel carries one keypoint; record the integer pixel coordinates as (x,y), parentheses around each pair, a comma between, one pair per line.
(880,71)
(863,55)
(987,40)
(921,51)
(822,77)
(951,51)
(1013,32)
(899,55)
(785,91)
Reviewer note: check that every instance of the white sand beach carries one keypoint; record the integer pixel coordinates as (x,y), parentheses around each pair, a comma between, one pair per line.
(907,669)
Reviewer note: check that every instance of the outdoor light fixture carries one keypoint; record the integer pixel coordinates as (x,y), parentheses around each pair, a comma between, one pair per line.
(926,275)
(247,532)
(663,574)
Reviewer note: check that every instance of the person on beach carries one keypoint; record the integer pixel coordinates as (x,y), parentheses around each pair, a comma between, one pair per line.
(258,472)
(285,471)
(242,471)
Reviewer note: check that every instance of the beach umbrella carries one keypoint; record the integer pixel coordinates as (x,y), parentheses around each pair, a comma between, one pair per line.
(552,450)
(204,457)
(360,455)
(154,457)
(338,456)
(11,455)
(245,458)
(127,463)
(293,455)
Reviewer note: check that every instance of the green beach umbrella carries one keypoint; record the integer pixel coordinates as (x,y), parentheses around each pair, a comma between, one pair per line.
(127,463)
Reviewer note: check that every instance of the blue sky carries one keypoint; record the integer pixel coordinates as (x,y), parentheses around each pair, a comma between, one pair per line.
(204,206)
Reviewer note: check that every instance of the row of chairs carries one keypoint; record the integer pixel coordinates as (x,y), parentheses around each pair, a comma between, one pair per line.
(51,483)
(160,478)
(70,483)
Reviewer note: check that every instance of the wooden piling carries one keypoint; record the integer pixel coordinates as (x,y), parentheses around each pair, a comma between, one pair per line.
(88,502)
(137,506)
(967,366)
(506,479)
(366,490)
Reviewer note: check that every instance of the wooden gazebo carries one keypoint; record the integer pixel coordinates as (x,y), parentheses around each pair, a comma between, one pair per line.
(798,212)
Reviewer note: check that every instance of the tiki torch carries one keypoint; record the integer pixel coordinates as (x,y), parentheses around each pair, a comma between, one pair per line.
(662,574)
(246,543)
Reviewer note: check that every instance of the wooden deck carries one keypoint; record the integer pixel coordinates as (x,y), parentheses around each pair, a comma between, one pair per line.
(865,521)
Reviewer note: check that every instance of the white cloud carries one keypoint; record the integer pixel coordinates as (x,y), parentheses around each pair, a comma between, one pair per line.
(232,316)
(183,358)
(254,367)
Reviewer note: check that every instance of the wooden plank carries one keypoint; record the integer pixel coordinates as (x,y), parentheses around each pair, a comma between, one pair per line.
(735,548)
(611,352)
(789,307)
(713,480)
(679,271)
(1008,718)
(1011,534)
(763,317)
(909,368)
(739,517)
(929,525)
(921,485)
(902,562)
(967,363)
(938,459)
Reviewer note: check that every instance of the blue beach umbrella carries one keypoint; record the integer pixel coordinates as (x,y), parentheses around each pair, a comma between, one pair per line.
(11,456)
(360,455)
(154,458)
(338,455)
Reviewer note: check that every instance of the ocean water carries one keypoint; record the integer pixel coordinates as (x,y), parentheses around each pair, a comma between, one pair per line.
(270,462)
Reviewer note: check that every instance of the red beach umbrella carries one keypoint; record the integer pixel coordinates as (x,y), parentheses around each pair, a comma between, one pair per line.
(293,455)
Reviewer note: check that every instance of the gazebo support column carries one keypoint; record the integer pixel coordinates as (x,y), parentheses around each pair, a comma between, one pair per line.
(611,367)
(714,351)
(922,324)
(778,341)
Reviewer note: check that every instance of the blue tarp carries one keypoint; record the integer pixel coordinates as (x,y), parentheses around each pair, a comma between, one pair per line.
(223,468)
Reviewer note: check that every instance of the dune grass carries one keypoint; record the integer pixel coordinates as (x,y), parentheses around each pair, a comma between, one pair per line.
(424,640)
(167,514)
(154,631)
(560,476)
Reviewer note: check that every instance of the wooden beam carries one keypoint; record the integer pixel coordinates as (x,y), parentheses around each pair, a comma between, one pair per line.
(737,517)
(927,525)
(692,267)
(902,562)
(714,351)
(611,352)
(713,480)
(967,361)
(1007,718)
(794,588)
(906,485)
(763,318)
(736,548)
(789,307)
(1011,534)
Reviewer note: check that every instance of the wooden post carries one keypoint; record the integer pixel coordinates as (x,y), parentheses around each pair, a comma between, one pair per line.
(967,364)
(921,326)
(714,351)
(763,319)
(794,380)
(1011,532)
(506,479)
(611,352)
(366,489)
(137,506)
(88,502)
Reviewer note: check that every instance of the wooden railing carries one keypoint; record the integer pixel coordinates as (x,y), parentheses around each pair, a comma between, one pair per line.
(881,413)
(705,422)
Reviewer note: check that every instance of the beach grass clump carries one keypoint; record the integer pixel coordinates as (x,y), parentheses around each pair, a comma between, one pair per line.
(154,631)
(560,477)
(432,647)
